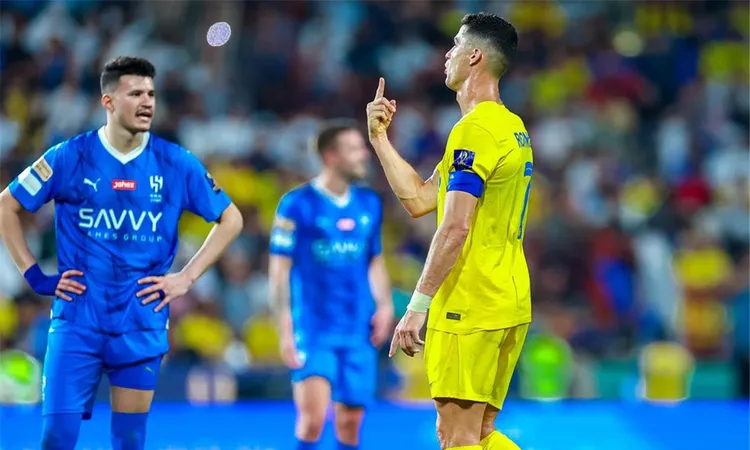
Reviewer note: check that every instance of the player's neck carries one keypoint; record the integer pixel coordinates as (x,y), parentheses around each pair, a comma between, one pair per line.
(476,89)
(333,183)
(122,140)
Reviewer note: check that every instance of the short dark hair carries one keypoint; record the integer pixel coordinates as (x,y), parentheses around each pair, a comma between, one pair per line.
(124,65)
(500,34)
(330,132)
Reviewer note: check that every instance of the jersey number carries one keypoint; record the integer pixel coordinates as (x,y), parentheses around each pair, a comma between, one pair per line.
(526,173)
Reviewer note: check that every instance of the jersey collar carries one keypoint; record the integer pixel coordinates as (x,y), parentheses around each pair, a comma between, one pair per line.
(339,200)
(123,157)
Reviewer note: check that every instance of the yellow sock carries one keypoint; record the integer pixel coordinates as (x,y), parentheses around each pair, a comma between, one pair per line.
(498,441)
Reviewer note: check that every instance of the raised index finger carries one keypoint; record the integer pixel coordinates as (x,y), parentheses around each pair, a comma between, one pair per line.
(381,88)
(394,345)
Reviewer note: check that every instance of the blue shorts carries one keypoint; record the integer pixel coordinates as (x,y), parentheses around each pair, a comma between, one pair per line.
(352,372)
(77,357)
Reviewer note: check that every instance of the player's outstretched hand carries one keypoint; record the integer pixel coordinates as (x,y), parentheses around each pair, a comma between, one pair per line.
(289,353)
(406,337)
(380,112)
(165,288)
(381,323)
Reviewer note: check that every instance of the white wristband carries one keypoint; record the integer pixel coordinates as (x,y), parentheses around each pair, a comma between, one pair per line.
(419,302)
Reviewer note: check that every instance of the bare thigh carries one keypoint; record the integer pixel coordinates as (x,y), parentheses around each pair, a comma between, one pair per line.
(126,400)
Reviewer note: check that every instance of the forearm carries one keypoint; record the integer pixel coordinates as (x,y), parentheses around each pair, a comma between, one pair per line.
(380,283)
(405,182)
(279,268)
(444,252)
(11,232)
(221,235)
(280,304)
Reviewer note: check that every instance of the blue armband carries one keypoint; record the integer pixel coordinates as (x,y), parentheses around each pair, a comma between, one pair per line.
(466,181)
(40,283)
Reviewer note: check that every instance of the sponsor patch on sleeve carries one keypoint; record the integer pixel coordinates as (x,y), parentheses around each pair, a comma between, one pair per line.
(42,169)
(463,159)
(29,182)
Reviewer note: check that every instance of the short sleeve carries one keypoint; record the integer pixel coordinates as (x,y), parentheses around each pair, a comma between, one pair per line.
(40,182)
(376,238)
(474,150)
(285,227)
(473,157)
(203,197)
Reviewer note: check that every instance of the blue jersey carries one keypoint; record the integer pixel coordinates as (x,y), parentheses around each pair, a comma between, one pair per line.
(331,244)
(116,218)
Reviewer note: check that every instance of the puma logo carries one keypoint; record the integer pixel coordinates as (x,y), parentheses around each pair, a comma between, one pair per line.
(92,183)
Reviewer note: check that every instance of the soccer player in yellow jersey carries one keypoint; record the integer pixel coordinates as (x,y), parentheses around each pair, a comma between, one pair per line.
(475,282)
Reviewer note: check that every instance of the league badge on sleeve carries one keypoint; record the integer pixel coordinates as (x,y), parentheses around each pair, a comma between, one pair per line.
(463,159)
(284,224)
(216,188)
(42,168)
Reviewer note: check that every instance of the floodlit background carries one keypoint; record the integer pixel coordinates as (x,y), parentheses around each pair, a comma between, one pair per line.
(638,224)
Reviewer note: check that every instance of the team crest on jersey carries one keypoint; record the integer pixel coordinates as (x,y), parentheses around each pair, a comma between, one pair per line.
(346,224)
(42,168)
(156,182)
(463,159)
(212,182)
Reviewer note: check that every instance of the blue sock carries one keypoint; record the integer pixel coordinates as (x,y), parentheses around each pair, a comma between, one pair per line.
(342,446)
(60,431)
(128,431)
(302,445)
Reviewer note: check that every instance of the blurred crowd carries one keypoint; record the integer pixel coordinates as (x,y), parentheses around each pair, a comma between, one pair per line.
(638,113)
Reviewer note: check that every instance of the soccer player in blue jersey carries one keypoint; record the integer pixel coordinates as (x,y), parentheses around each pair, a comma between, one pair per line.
(119,192)
(330,288)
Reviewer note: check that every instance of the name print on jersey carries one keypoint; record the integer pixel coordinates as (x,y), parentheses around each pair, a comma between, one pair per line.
(337,252)
(125,225)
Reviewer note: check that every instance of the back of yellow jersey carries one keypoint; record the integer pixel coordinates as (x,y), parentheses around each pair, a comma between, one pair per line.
(489,287)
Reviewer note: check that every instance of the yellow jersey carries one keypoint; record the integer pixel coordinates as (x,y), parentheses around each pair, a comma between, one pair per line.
(489,288)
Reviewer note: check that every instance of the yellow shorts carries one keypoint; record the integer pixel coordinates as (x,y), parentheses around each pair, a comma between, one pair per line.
(476,367)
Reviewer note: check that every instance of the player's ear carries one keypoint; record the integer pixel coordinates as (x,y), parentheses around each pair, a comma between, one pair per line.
(107,102)
(475,57)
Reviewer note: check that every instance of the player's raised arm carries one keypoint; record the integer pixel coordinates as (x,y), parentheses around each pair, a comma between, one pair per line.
(418,196)
(34,187)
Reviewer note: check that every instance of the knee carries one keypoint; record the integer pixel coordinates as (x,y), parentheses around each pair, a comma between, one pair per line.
(128,431)
(488,424)
(60,431)
(310,426)
(348,423)
(453,434)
